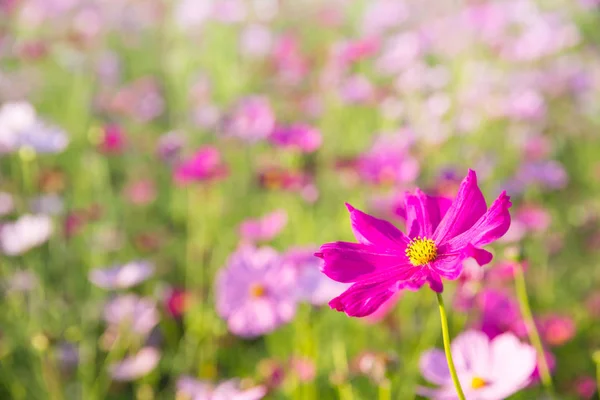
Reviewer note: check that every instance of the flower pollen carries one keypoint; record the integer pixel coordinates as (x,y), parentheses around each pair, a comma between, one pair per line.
(421,251)
(257,290)
(478,383)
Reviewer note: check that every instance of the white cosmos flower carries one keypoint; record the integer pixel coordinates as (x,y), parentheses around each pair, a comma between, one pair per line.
(20,127)
(25,233)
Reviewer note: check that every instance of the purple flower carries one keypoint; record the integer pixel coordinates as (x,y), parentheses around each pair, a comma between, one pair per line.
(298,137)
(193,389)
(205,164)
(499,313)
(252,119)
(27,232)
(386,260)
(136,366)
(312,286)
(549,174)
(256,292)
(132,313)
(122,276)
(20,128)
(169,146)
(264,228)
(487,370)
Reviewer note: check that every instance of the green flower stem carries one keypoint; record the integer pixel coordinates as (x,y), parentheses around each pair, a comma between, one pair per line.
(534,336)
(446,338)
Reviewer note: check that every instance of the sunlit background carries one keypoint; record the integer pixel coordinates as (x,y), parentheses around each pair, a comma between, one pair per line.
(168,169)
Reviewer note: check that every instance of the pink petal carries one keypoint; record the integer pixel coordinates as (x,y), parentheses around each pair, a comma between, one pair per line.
(366,296)
(482,256)
(362,299)
(513,364)
(443,393)
(435,282)
(448,266)
(490,227)
(369,230)
(471,351)
(434,367)
(466,209)
(423,213)
(348,262)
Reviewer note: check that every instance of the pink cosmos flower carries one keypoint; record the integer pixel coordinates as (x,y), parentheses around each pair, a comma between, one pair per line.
(177,302)
(585,387)
(388,161)
(297,136)
(357,89)
(264,228)
(256,292)
(132,313)
(112,140)
(289,62)
(500,313)
(252,119)
(556,330)
(122,276)
(205,164)
(140,192)
(136,366)
(386,260)
(190,388)
(487,369)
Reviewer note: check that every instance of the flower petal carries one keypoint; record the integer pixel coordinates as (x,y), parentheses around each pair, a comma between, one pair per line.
(490,227)
(366,296)
(423,214)
(466,209)
(369,230)
(448,266)
(434,367)
(435,281)
(513,364)
(471,352)
(347,262)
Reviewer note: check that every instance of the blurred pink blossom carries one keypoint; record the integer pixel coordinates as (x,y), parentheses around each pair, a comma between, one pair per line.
(585,387)
(112,140)
(135,366)
(300,137)
(388,161)
(121,276)
(188,387)
(265,228)
(25,233)
(487,369)
(252,119)
(131,313)
(556,329)
(204,165)
(255,292)
(140,192)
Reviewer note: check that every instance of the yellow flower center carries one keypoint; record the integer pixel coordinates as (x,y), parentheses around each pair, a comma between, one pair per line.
(257,290)
(421,251)
(477,383)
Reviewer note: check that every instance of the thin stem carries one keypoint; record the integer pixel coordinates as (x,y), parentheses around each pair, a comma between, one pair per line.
(446,339)
(596,358)
(534,336)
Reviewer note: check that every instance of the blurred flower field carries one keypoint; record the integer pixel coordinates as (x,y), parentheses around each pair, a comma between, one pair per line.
(247,199)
